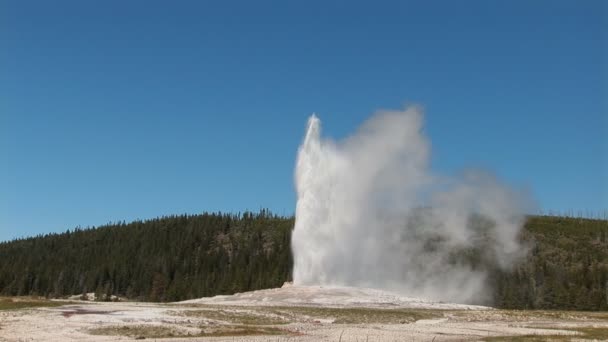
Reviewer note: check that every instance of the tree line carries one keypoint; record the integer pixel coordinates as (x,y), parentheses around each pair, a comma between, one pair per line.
(165,259)
(566,266)
(181,257)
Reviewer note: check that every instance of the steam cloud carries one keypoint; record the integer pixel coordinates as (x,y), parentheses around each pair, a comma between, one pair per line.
(370,213)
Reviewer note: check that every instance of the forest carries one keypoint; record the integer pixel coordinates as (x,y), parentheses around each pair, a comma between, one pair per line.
(181,257)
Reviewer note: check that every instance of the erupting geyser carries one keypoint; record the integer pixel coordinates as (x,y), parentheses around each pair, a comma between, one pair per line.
(371,214)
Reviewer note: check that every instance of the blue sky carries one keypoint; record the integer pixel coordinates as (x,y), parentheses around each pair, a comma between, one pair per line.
(118,110)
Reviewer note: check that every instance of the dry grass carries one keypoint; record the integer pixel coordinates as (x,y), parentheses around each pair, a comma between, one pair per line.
(155,331)
(527,316)
(589,333)
(233,316)
(600,334)
(242,330)
(275,315)
(356,315)
(137,331)
(16,303)
(555,315)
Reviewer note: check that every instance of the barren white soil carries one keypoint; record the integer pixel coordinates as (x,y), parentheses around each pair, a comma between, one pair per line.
(330,296)
(292,314)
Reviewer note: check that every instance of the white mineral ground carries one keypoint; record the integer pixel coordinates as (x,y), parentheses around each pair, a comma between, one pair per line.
(330,296)
(450,322)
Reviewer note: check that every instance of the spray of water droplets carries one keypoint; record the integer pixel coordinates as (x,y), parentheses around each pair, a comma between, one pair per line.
(371,213)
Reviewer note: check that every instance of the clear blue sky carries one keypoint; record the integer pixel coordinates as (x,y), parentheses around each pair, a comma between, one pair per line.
(118,110)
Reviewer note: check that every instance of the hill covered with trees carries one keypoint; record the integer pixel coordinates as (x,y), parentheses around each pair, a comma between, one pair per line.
(189,256)
(165,259)
(565,268)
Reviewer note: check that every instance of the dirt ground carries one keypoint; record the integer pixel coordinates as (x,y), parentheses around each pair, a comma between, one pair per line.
(270,320)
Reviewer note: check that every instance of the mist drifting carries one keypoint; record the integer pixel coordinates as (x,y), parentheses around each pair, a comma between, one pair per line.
(371,213)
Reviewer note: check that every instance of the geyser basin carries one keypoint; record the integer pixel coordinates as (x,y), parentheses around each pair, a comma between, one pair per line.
(329,296)
(370,213)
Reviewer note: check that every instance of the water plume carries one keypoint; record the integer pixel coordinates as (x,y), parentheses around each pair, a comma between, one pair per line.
(370,213)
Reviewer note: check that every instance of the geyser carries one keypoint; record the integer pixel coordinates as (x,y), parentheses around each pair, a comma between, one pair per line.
(370,213)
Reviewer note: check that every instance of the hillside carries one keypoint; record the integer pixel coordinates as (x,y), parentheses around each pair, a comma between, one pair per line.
(566,267)
(191,256)
(165,259)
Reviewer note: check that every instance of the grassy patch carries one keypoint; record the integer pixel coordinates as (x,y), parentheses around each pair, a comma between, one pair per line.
(241,330)
(528,316)
(138,331)
(154,331)
(16,303)
(356,315)
(590,333)
(274,315)
(556,315)
(600,334)
(528,338)
(238,317)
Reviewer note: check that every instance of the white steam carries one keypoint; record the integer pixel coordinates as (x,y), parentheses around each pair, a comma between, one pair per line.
(370,213)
